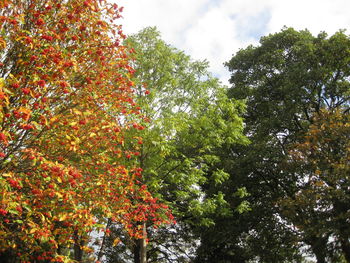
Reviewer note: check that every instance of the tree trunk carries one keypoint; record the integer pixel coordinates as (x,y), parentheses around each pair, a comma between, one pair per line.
(340,209)
(318,246)
(102,248)
(345,246)
(78,244)
(7,257)
(143,254)
(137,251)
(140,248)
(320,257)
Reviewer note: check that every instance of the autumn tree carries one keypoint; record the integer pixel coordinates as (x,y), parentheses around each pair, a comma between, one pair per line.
(66,97)
(289,79)
(191,119)
(323,156)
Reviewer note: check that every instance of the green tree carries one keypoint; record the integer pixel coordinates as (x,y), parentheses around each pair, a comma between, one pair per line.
(191,119)
(286,80)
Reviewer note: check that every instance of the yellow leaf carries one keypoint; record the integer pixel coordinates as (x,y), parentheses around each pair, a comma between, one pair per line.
(53,119)
(116,242)
(62,217)
(24,110)
(87,112)
(2,43)
(42,217)
(77,112)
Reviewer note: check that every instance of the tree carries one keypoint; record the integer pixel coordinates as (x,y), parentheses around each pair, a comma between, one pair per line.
(66,97)
(286,80)
(191,118)
(324,153)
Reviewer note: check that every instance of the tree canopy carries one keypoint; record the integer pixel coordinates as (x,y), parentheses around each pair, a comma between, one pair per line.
(293,82)
(124,149)
(191,119)
(66,101)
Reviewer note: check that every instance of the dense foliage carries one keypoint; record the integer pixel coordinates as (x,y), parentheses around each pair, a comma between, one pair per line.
(191,119)
(295,170)
(67,103)
(104,138)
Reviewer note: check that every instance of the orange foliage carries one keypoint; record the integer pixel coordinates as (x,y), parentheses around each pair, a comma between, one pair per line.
(65,103)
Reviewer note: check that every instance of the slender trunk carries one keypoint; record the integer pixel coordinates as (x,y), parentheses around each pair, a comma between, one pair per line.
(320,257)
(143,249)
(318,246)
(341,208)
(78,244)
(140,249)
(100,253)
(137,251)
(7,257)
(345,246)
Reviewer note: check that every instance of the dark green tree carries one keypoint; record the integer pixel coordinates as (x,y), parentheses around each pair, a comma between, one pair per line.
(287,80)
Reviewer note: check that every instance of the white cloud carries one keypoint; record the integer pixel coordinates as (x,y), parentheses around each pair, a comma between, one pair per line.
(321,15)
(216,29)
(170,17)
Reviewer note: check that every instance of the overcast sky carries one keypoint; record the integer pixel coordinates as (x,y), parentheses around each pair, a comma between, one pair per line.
(216,29)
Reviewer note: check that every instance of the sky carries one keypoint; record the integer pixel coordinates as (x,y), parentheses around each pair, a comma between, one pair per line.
(215,30)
